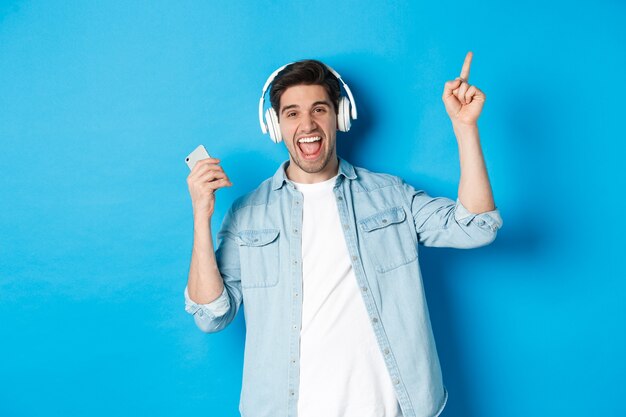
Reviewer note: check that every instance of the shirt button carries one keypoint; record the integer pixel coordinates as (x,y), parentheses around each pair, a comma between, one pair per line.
(340,198)
(295,327)
(355,258)
(200,313)
(375,320)
(384,220)
(296,294)
(364,289)
(297,202)
(292,393)
(345,226)
(481,222)
(396,381)
(295,230)
(386,351)
(295,262)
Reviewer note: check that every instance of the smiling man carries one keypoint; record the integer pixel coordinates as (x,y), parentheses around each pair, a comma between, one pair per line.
(324,258)
(309,125)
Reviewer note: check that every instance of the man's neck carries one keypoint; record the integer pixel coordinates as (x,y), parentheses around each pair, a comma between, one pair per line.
(303,177)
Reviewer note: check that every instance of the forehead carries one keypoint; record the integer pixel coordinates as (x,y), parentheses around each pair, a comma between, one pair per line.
(303,95)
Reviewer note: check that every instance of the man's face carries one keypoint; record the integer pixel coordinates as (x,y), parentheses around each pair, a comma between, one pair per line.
(308,123)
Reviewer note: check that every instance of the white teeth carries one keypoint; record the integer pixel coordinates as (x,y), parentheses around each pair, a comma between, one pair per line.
(309,140)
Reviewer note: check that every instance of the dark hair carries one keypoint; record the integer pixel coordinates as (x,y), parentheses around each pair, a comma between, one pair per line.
(307,72)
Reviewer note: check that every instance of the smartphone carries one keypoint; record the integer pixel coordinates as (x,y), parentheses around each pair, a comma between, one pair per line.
(198,154)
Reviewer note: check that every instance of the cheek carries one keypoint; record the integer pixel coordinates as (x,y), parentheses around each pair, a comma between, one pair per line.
(286,128)
(332,122)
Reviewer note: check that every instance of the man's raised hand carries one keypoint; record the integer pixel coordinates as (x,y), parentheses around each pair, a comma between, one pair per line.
(463,101)
(206,177)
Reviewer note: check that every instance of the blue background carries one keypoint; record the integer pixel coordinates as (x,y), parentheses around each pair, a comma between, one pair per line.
(101,101)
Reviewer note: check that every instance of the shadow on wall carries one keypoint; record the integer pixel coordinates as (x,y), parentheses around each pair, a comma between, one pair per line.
(358,134)
(532,145)
(8,7)
(530,151)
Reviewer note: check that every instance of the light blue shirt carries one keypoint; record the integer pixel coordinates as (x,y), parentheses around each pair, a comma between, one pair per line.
(384,219)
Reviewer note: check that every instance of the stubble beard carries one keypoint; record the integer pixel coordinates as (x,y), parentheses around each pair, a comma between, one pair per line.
(315,166)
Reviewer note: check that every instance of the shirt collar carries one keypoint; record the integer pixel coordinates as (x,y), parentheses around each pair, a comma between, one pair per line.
(280,177)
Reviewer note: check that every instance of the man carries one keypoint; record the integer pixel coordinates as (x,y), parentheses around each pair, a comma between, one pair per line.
(324,256)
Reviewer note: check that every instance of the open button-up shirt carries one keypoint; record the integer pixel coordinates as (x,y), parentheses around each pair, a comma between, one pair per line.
(384,220)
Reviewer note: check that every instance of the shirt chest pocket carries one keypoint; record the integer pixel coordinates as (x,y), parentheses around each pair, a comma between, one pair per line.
(388,239)
(259,257)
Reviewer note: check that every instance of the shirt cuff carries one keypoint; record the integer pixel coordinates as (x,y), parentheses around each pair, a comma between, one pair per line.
(215,308)
(490,219)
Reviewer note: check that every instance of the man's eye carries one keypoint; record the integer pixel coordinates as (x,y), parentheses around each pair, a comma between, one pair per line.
(291,114)
(320,110)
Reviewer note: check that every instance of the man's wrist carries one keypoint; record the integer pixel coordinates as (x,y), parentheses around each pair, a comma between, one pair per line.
(466,133)
(465,129)
(203,222)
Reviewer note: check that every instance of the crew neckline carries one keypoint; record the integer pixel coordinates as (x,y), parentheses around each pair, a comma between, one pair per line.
(322,185)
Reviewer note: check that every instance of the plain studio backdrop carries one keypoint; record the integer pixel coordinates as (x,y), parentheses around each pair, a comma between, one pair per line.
(101,101)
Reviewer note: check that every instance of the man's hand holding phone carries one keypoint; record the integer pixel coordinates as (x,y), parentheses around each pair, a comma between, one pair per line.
(206,176)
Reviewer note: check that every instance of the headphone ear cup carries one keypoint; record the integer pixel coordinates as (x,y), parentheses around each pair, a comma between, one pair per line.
(272,125)
(343,115)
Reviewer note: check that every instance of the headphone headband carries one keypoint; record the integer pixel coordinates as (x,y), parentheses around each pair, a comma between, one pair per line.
(353,111)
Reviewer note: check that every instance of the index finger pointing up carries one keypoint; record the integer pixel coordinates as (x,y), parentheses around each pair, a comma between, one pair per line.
(465,71)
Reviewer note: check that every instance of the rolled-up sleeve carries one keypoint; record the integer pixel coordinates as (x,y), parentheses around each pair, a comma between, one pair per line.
(490,219)
(443,222)
(219,313)
(212,310)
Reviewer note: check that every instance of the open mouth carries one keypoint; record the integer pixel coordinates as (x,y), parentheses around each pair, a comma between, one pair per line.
(310,146)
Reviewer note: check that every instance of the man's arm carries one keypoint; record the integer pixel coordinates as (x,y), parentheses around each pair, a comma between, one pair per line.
(474,186)
(205,284)
(216,314)
(464,104)
(473,219)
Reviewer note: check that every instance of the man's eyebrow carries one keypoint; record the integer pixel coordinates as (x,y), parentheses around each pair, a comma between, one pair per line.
(291,106)
(295,106)
(324,102)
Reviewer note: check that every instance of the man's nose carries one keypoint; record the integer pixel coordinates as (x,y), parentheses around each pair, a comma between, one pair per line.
(308,123)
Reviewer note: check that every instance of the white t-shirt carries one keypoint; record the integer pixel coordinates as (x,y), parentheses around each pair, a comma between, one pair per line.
(342,371)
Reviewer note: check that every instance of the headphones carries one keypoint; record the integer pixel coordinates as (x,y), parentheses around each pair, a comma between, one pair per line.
(346,112)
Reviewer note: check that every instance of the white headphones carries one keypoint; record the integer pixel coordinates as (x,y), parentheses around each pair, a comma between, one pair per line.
(346,111)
